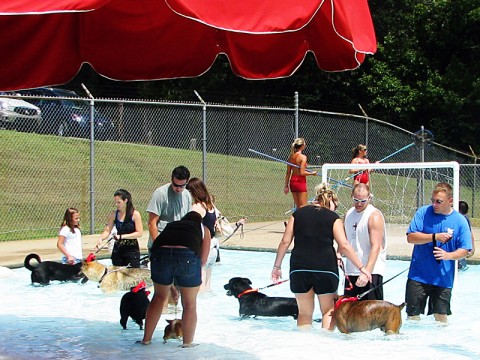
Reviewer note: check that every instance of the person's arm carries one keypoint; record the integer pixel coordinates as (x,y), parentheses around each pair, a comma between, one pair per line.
(354,171)
(282,250)
(303,167)
(376,231)
(137,218)
(346,249)
(108,229)
(287,178)
(441,254)
(205,245)
(471,252)
(152,225)
(420,238)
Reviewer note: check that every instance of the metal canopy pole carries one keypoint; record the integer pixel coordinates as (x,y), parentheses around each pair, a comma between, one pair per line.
(204,139)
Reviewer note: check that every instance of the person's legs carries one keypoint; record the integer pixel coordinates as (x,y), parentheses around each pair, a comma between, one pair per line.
(189,315)
(416,299)
(327,303)
(154,311)
(306,306)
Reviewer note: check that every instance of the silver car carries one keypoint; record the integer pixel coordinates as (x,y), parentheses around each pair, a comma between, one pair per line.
(19,115)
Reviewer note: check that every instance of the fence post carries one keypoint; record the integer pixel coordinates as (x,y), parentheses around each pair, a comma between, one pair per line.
(92,160)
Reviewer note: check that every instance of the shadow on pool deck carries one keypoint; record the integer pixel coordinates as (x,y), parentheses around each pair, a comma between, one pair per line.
(263,236)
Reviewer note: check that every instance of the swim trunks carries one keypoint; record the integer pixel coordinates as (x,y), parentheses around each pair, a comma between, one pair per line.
(298,183)
(362,177)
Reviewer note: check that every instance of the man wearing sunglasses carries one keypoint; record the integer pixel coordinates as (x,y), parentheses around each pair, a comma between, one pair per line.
(365,229)
(169,202)
(440,236)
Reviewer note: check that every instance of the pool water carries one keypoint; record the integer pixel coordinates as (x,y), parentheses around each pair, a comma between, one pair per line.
(74,321)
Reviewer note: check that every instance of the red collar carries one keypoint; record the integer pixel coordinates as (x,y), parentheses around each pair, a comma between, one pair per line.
(344,300)
(246,292)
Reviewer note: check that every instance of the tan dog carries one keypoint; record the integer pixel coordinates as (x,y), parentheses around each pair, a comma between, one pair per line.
(173,330)
(115,278)
(351,315)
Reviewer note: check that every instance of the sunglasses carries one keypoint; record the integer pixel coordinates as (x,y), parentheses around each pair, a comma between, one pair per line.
(179,185)
(436,201)
(361,201)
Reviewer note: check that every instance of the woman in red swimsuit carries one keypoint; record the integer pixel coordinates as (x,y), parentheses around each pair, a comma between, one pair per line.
(295,177)
(360,157)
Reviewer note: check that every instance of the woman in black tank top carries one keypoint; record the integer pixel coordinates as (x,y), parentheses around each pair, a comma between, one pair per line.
(313,261)
(129,227)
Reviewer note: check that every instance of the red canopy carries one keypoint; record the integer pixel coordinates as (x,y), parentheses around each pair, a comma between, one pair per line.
(46,42)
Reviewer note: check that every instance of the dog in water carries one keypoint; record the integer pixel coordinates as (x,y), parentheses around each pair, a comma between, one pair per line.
(134,304)
(254,303)
(115,278)
(173,330)
(46,271)
(351,315)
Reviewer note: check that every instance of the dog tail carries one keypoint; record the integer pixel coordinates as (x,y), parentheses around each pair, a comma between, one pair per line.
(402,305)
(29,257)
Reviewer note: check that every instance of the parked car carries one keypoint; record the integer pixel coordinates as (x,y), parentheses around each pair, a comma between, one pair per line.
(69,117)
(19,115)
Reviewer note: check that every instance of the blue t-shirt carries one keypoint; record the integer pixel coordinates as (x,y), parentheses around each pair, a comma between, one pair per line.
(424,267)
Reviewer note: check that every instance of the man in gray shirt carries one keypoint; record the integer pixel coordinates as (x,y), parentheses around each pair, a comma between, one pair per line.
(169,202)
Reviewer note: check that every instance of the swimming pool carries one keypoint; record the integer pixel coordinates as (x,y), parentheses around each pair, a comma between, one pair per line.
(73,321)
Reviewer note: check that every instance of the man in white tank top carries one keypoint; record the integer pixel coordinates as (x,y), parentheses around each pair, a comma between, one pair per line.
(365,229)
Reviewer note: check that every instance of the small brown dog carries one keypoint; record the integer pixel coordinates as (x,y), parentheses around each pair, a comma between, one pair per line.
(351,315)
(173,330)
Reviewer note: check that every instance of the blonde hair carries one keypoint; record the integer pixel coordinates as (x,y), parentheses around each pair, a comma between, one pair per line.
(356,150)
(446,188)
(325,195)
(297,143)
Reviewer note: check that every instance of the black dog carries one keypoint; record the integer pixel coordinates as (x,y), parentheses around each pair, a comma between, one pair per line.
(254,303)
(47,271)
(134,304)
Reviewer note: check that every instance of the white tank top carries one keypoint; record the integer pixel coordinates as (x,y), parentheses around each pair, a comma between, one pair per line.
(356,228)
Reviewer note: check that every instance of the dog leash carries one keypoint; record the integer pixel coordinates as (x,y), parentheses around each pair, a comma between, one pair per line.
(273,284)
(105,244)
(234,231)
(359,296)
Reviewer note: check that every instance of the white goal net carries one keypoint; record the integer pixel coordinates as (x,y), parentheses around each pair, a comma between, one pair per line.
(398,189)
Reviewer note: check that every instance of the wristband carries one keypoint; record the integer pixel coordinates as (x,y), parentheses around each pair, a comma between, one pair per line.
(433,237)
(277,267)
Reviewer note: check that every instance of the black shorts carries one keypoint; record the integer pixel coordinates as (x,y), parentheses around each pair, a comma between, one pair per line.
(322,282)
(376,294)
(416,296)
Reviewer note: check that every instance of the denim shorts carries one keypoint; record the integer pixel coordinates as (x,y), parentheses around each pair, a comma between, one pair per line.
(179,266)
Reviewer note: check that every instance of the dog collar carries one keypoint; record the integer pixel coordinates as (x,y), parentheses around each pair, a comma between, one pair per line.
(246,292)
(344,300)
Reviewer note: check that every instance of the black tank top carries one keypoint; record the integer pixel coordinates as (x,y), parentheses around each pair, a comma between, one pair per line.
(313,231)
(127,226)
(181,233)
(209,221)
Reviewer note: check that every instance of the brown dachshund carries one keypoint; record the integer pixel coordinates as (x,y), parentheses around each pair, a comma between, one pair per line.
(351,315)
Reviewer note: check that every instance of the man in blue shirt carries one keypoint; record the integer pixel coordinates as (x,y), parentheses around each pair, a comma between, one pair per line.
(441,235)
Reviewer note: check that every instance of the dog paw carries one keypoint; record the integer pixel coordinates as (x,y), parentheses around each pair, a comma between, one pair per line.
(141,342)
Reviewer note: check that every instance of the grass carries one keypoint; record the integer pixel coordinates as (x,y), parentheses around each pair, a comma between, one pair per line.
(42,175)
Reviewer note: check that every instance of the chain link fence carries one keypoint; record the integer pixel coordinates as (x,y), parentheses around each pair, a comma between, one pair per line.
(50,163)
